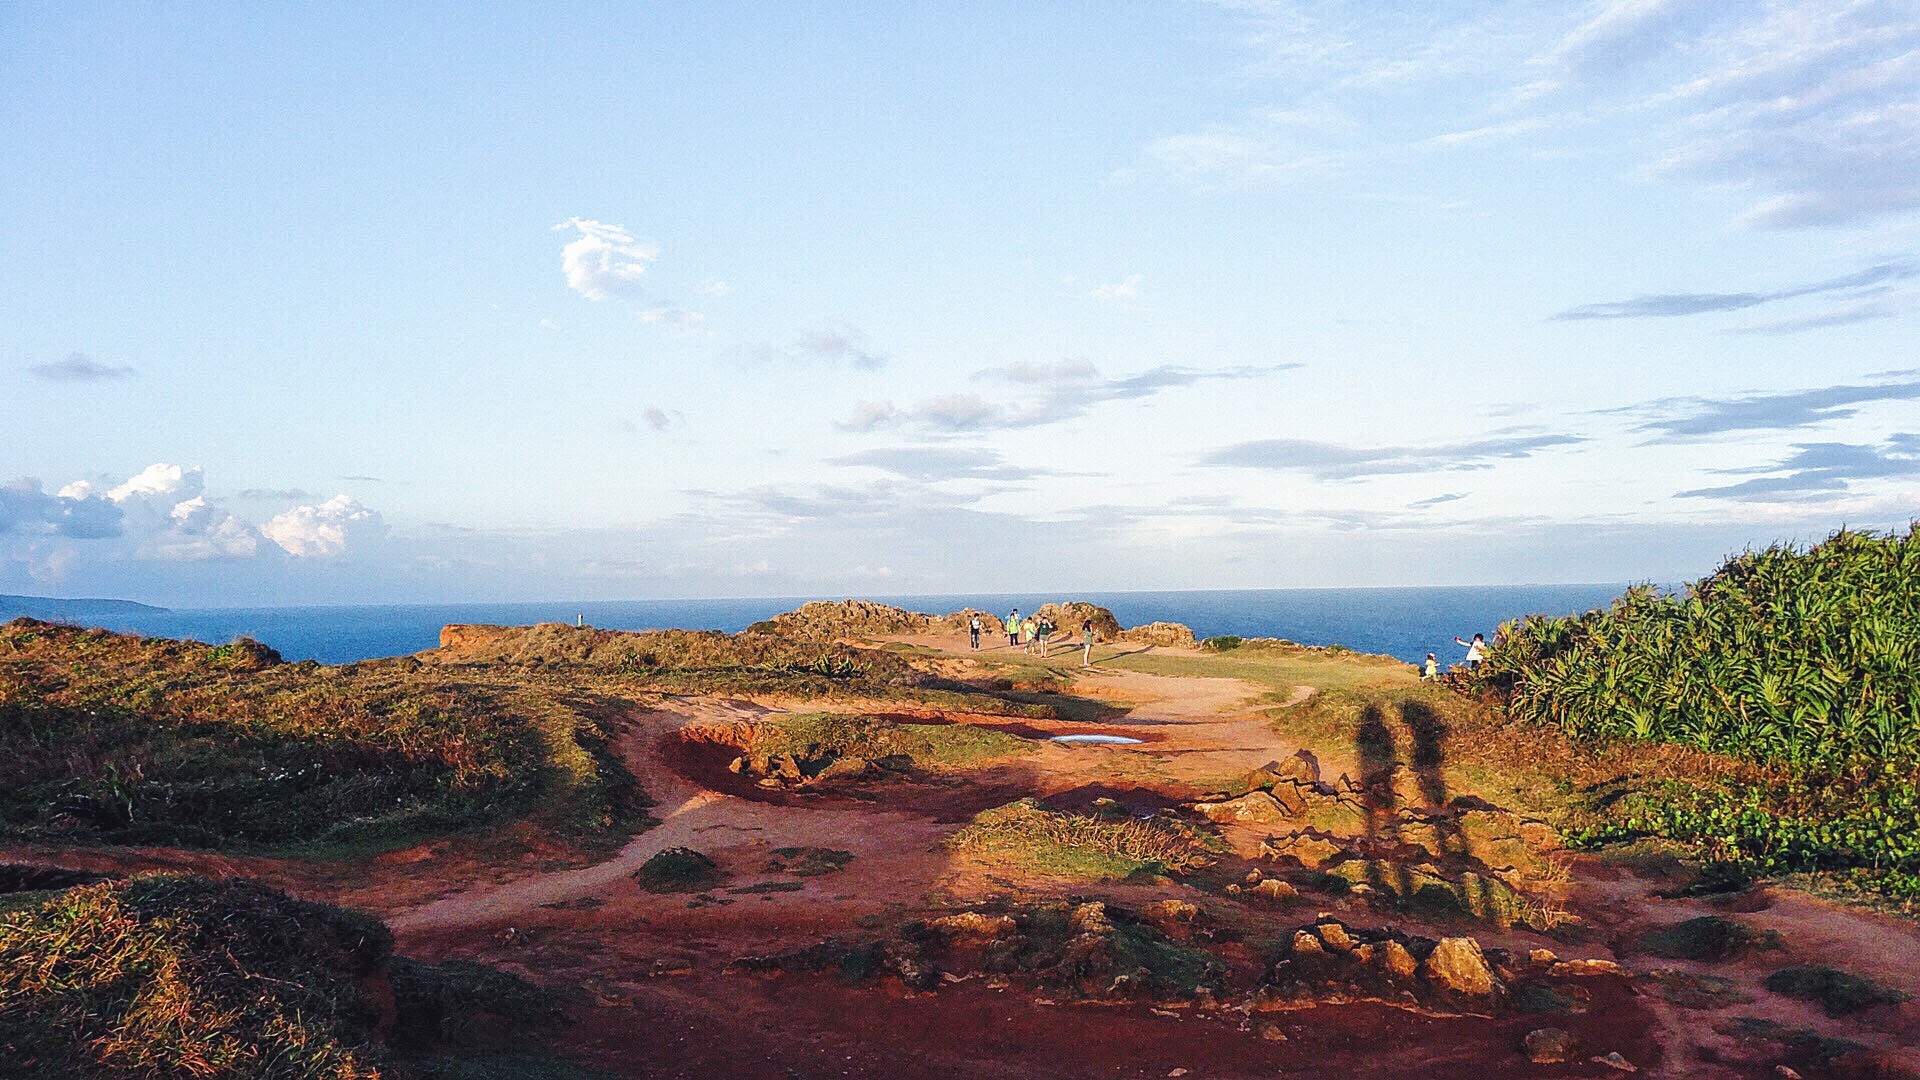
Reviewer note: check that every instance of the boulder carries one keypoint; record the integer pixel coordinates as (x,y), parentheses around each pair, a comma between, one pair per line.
(1253,806)
(1090,918)
(1550,1046)
(1275,889)
(1172,634)
(1335,936)
(1311,847)
(1586,967)
(1395,958)
(974,926)
(1070,615)
(1457,965)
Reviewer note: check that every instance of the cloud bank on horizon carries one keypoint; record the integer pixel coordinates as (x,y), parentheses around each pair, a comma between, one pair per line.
(1345,294)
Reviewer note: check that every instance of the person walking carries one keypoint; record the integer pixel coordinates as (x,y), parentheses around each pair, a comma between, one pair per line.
(1476,649)
(1431,672)
(1043,632)
(973,632)
(1013,628)
(1086,644)
(1026,635)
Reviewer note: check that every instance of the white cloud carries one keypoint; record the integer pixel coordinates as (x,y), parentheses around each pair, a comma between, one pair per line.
(715,289)
(324,531)
(870,416)
(1127,288)
(157,481)
(604,260)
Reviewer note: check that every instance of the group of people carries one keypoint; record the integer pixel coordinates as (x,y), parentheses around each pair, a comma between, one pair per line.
(1033,635)
(1476,652)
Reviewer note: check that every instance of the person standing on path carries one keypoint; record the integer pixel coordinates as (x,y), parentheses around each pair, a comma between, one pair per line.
(1476,649)
(973,632)
(1013,628)
(1086,644)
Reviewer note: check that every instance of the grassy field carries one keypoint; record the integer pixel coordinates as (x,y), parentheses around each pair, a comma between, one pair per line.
(130,740)
(181,976)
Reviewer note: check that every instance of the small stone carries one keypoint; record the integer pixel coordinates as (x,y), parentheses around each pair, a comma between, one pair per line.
(1457,964)
(1396,959)
(1174,911)
(1272,1033)
(1178,1072)
(1587,967)
(1615,1061)
(1253,877)
(1543,957)
(1253,806)
(1547,1046)
(1304,942)
(1786,1073)
(974,926)
(1090,918)
(1233,889)
(1335,936)
(1274,888)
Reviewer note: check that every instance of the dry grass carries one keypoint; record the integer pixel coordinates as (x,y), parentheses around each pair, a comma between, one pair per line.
(1080,845)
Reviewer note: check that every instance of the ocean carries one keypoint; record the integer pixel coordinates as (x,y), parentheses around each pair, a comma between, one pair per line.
(1402,622)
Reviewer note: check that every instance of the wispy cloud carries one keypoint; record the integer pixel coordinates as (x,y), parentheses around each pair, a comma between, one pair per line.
(1866,311)
(1127,288)
(79,367)
(1810,104)
(1670,305)
(1437,500)
(1819,470)
(932,464)
(604,260)
(1333,461)
(1675,419)
(1051,393)
(842,344)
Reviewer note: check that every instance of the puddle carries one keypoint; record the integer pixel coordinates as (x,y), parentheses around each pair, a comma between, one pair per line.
(1111,740)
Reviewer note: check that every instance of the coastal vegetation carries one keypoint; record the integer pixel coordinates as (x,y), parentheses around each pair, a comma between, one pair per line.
(1805,664)
(182,976)
(110,737)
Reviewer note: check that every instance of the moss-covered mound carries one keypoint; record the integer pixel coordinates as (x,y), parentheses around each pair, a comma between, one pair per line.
(146,740)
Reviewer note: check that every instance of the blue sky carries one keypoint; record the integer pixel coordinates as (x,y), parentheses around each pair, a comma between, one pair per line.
(394,302)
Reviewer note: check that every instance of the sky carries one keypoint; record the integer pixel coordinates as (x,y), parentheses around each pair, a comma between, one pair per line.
(367,303)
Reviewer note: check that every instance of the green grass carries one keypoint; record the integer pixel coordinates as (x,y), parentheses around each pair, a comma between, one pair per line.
(1279,670)
(809,736)
(1080,846)
(121,739)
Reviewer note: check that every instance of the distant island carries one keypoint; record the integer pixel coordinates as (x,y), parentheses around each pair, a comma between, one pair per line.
(60,609)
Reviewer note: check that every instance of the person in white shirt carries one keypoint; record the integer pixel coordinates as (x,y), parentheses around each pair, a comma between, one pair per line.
(1476,649)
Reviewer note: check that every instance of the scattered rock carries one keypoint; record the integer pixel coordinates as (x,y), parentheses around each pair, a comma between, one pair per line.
(974,926)
(1587,967)
(1253,806)
(1615,1061)
(1275,889)
(1272,1033)
(1090,918)
(1334,936)
(1305,942)
(1311,847)
(1457,965)
(1395,958)
(1548,1046)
